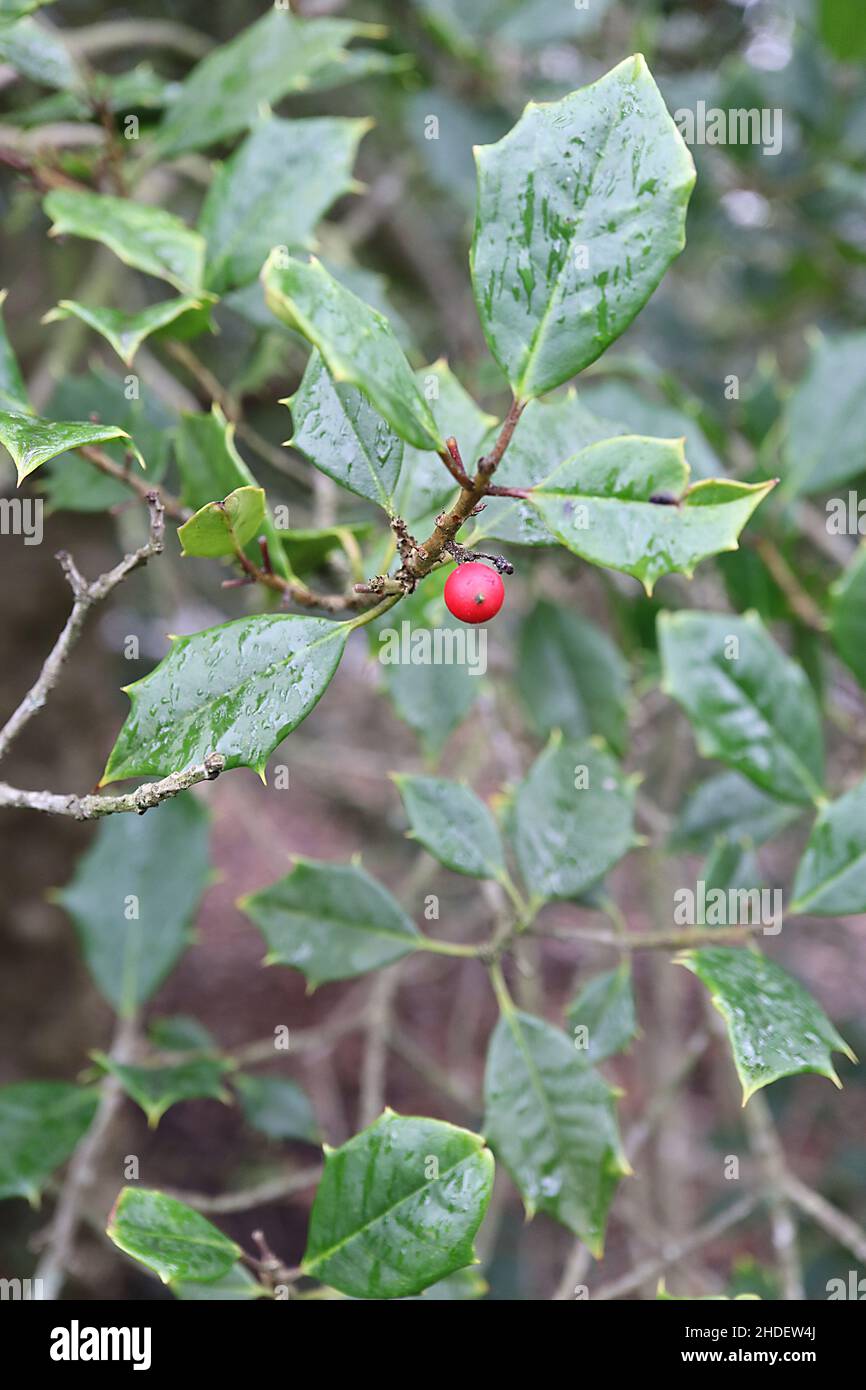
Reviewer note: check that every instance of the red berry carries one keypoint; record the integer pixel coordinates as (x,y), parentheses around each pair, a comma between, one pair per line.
(474,592)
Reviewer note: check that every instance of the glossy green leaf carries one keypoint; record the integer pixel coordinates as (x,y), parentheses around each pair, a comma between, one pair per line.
(750,705)
(573,818)
(170,1238)
(157,1088)
(41,1123)
(551,1120)
(221,528)
(548,433)
(600,504)
(425,485)
(210,466)
(273,192)
(13,392)
(398,1207)
(729,805)
(134,896)
(330,921)
(237,1286)
(571,676)
(147,238)
(581,209)
(776,1028)
(32,441)
(831,876)
(848,615)
(278,54)
(453,824)
(69,481)
(604,1008)
(125,332)
(432,664)
(340,432)
(828,404)
(238,689)
(276,1106)
(356,342)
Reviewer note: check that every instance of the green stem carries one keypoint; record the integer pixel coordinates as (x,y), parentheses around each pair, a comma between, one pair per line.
(507,1007)
(451,948)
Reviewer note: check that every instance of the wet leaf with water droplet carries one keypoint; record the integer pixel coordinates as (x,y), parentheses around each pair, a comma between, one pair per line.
(170,1238)
(238,689)
(775,1026)
(551,1119)
(330,921)
(625,503)
(453,824)
(398,1207)
(581,209)
(573,818)
(147,238)
(356,342)
(751,706)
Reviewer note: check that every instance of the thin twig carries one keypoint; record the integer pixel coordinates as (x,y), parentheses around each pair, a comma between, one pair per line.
(676,1250)
(274,1190)
(85,596)
(95,806)
(81,1172)
(783,1228)
(828,1217)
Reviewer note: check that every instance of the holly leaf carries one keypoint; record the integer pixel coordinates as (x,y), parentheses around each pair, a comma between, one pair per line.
(775,1026)
(134,896)
(829,403)
(277,1107)
(551,1119)
(831,876)
(571,676)
(330,921)
(157,1088)
(38,52)
(238,689)
(581,209)
(32,441)
(848,615)
(273,191)
(356,342)
(729,805)
(13,392)
(308,550)
(125,332)
(751,706)
(604,1008)
(41,1123)
(278,54)
(221,528)
(626,503)
(146,238)
(170,1238)
(450,821)
(398,1207)
(210,466)
(573,818)
(339,431)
